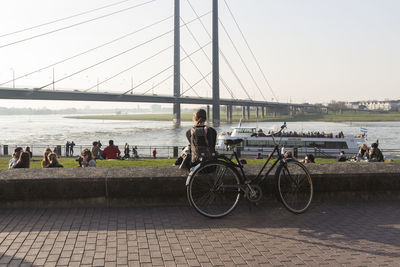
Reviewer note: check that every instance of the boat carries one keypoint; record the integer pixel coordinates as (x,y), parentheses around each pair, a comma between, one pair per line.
(319,144)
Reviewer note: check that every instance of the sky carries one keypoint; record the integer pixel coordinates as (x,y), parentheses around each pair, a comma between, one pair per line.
(310,50)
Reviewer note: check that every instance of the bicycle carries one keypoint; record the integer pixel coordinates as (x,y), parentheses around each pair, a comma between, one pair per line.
(214,187)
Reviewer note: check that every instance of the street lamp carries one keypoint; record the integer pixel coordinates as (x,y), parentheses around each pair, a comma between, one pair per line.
(13,77)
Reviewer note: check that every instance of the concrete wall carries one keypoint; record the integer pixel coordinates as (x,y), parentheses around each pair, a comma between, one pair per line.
(166,185)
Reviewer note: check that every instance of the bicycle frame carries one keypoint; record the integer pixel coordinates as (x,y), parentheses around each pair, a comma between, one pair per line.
(259,178)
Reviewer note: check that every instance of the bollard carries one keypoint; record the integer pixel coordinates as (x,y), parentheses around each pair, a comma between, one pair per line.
(294,152)
(58,152)
(175,151)
(5,150)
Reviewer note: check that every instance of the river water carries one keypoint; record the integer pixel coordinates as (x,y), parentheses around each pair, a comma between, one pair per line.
(43,130)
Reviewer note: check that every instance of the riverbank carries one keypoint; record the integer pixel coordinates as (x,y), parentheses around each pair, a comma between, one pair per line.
(359,116)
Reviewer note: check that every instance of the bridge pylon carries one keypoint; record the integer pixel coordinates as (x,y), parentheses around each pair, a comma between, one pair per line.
(177,64)
(215,65)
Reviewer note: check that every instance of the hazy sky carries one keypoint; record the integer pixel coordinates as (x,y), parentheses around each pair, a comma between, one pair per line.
(310,50)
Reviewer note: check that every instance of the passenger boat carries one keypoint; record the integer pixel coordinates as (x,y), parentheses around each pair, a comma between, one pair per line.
(320,144)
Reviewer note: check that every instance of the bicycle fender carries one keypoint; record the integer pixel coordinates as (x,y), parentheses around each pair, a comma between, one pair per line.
(192,170)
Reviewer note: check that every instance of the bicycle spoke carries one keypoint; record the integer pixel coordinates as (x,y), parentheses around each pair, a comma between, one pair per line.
(294,186)
(214,189)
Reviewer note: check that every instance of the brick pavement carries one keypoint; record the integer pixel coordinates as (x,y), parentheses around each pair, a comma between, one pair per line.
(332,234)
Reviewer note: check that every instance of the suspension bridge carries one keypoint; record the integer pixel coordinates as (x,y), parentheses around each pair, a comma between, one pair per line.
(51,90)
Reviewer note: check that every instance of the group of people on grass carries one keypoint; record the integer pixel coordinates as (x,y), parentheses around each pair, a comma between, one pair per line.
(87,158)
(372,154)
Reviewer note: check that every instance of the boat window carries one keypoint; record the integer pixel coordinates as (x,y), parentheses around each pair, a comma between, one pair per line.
(260,143)
(315,144)
(293,143)
(340,145)
(245,130)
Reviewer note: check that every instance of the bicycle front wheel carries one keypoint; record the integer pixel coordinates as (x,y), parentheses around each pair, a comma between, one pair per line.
(294,186)
(214,189)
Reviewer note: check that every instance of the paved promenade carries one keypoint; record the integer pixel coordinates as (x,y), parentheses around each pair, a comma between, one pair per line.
(333,234)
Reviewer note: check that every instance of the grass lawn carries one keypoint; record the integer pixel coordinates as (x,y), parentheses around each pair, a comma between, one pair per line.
(71,163)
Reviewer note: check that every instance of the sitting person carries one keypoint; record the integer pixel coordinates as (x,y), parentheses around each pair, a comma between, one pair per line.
(288,155)
(88,159)
(342,156)
(202,138)
(375,154)
(126,151)
(96,150)
(53,161)
(15,157)
(45,160)
(363,153)
(23,161)
(309,158)
(260,133)
(28,149)
(135,153)
(111,151)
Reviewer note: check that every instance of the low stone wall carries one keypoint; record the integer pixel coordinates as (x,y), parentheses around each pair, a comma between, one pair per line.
(166,185)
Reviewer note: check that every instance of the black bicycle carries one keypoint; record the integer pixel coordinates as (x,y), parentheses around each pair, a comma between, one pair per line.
(214,187)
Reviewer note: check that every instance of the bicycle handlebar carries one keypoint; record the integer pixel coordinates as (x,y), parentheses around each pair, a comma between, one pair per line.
(282,127)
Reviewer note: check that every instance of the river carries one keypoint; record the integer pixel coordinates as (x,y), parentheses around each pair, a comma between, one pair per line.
(43,130)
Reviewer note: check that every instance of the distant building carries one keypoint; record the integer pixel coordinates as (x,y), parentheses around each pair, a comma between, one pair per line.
(387,105)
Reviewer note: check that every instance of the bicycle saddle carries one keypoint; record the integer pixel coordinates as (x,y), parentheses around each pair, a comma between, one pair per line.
(230,142)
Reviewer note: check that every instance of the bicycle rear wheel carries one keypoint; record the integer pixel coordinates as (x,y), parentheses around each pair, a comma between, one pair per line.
(214,189)
(294,186)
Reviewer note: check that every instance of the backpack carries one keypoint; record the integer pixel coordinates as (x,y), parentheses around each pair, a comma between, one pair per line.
(201,150)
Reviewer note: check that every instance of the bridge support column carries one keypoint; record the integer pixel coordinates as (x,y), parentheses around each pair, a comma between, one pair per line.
(244,112)
(257,112)
(248,112)
(215,64)
(263,112)
(229,113)
(177,64)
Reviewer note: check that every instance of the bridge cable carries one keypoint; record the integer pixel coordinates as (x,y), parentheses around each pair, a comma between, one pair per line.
(76,24)
(162,81)
(87,51)
(107,59)
(195,65)
(131,67)
(119,54)
(236,76)
(164,70)
(205,54)
(193,85)
(251,51)
(65,18)
(241,58)
(189,85)
(223,56)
